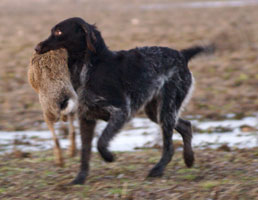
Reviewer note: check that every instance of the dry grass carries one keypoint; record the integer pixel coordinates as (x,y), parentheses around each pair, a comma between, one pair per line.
(216,175)
(226,82)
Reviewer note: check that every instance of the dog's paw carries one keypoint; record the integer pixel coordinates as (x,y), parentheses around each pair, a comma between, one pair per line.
(156,171)
(104,152)
(80,178)
(189,158)
(106,155)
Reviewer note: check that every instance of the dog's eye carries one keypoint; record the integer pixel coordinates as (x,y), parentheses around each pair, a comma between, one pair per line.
(58,33)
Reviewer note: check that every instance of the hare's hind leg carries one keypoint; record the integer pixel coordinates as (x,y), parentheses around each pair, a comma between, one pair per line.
(57,150)
(72,147)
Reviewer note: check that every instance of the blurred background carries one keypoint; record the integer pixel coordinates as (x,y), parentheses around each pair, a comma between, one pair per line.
(223,108)
(226,82)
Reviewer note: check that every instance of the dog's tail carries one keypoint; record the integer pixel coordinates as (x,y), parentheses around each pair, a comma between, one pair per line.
(193,51)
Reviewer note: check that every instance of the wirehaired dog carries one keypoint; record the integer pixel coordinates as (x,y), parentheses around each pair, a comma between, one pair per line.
(49,75)
(115,85)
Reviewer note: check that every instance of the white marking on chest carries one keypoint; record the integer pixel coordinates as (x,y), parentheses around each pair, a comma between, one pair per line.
(83,74)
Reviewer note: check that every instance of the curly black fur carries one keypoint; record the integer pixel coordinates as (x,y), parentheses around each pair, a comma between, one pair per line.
(115,85)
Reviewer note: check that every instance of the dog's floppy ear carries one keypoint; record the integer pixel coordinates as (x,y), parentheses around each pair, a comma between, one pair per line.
(90,36)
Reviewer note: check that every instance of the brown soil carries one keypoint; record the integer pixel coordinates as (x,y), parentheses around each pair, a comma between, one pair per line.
(226,82)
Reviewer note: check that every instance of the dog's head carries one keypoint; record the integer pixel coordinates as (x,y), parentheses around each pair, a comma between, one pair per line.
(73,34)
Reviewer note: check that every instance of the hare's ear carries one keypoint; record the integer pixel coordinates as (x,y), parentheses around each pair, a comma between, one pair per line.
(90,37)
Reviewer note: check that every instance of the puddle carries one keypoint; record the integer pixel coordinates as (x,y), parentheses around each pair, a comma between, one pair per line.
(141,132)
(199,4)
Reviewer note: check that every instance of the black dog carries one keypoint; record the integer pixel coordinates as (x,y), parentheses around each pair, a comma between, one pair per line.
(114,85)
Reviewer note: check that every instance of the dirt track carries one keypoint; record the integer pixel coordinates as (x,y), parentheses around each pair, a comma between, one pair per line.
(226,82)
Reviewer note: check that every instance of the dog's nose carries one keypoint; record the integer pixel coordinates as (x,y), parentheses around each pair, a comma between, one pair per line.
(38,48)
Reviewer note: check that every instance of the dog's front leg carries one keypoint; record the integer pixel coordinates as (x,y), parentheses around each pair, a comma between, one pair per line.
(87,131)
(115,123)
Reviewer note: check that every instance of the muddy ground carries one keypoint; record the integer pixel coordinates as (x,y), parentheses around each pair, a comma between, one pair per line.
(225,82)
(223,174)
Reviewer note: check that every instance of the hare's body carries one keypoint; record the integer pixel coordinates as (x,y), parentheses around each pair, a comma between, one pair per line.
(49,75)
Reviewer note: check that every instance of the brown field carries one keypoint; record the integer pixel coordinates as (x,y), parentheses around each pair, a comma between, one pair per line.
(217,175)
(227,82)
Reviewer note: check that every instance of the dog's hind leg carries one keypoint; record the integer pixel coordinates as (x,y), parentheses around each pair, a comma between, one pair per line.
(185,129)
(151,110)
(115,123)
(182,126)
(167,122)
